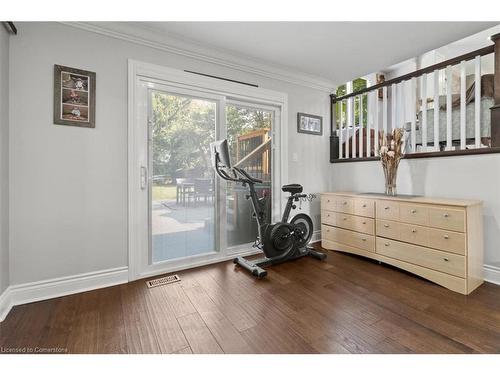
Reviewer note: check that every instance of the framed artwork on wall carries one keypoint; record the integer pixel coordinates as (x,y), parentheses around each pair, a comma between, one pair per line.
(74,97)
(309,124)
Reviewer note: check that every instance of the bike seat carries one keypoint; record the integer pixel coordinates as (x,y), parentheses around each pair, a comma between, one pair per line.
(292,188)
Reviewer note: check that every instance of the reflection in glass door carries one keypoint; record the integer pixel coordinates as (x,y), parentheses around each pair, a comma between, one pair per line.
(182,193)
(249,134)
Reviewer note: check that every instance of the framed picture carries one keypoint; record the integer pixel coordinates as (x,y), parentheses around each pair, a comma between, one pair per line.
(309,124)
(74,97)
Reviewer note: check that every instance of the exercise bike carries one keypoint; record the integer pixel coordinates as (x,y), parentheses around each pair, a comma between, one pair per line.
(281,241)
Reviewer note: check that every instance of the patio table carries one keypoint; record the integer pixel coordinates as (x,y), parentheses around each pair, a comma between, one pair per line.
(184,188)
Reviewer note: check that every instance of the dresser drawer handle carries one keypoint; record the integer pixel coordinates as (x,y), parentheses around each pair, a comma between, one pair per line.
(344,203)
(386,207)
(413,211)
(363,239)
(387,244)
(446,259)
(364,205)
(386,225)
(364,222)
(328,200)
(345,218)
(446,215)
(446,237)
(414,230)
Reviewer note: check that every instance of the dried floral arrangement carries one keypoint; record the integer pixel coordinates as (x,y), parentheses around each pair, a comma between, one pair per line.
(391,152)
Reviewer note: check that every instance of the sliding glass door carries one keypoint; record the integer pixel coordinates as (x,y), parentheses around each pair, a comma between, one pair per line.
(249,134)
(182,189)
(180,214)
(183,201)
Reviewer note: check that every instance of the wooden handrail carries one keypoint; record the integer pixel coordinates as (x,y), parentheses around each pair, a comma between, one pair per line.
(253,153)
(417,73)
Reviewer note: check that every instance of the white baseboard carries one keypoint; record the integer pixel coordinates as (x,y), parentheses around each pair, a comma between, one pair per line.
(5,303)
(492,274)
(316,237)
(41,290)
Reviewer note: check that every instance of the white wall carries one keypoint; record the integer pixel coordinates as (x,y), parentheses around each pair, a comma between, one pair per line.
(4,159)
(69,185)
(475,177)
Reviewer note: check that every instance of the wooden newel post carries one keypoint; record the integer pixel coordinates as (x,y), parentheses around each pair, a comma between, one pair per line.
(495,110)
(334,139)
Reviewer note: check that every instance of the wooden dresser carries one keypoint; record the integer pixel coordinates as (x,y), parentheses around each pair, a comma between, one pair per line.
(438,239)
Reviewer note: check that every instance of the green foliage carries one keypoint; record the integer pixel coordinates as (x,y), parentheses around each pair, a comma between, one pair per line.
(241,121)
(182,129)
(358,84)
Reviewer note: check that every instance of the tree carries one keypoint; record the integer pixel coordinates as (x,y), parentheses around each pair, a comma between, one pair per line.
(182,129)
(357,84)
(241,121)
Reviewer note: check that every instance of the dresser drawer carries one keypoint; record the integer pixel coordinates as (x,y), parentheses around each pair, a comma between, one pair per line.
(359,240)
(337,203)
(387,210)
(453,242)
(328,217)
(344,205)
(350,222)
(414,234)
(363,225)
(447,218)
(364,207)
(414,214)
(386,228)
(434,259)
(328,202)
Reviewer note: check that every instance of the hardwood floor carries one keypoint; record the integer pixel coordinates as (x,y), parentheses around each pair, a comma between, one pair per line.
(343,305)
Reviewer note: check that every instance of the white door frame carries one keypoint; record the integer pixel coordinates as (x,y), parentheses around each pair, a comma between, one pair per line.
(145,75)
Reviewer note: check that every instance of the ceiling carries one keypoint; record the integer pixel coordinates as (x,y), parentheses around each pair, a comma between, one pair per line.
(336,51)
(332,51)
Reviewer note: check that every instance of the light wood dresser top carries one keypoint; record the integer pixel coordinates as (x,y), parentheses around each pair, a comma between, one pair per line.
(410,198)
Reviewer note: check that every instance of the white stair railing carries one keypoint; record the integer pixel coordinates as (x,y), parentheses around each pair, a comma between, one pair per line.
(457,127)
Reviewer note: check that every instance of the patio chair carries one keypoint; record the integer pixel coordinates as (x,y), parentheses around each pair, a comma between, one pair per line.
(184,189)
(203,188)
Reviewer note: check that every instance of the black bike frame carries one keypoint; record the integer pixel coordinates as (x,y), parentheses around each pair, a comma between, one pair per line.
(242,177)
(288,208)
(255,266)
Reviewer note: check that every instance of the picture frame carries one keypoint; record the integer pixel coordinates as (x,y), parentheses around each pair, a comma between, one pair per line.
(74,97)
(309,124)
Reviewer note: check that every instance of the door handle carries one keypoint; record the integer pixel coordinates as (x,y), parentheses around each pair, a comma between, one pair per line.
(144,177)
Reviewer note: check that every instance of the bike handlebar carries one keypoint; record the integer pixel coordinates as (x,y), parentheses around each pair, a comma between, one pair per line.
(247,179)
(247,176)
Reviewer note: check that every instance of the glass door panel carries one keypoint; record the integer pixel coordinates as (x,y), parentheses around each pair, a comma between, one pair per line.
(249,137)
(182,191)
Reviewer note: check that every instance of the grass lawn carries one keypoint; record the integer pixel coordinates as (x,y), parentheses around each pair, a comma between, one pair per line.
(164,192)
